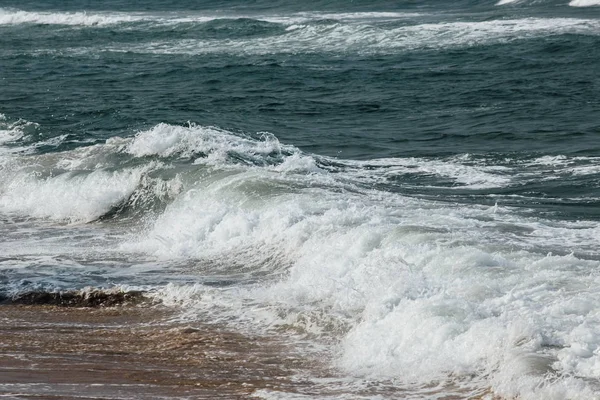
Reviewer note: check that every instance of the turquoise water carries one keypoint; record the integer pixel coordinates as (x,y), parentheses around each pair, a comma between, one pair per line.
(424,173)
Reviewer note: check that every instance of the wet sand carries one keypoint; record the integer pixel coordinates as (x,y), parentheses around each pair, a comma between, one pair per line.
(132,352)
(119,346)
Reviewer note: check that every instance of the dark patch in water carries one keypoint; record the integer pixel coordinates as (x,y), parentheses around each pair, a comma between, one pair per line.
(94,298)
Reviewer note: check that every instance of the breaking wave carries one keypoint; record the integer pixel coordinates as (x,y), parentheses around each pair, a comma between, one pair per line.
(87,182)
(584,3)
(425,289)
(308,32)
(359,37)
(572,3)
(15,17)
(91,19)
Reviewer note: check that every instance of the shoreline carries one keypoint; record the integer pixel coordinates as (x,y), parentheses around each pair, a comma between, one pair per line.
(72,346)
(127,352)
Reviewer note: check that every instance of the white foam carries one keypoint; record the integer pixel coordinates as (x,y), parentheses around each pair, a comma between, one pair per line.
(373,15)
(572,3)
(429,290)
(503,2)
(410,289)
(71,186)
(584,3)
(361,37)
(211,145)
(557,167)
(69,196)
(170,140)
(298,163)
(81,185)
(13,131)
(462,174)
(414,290)
(15,17)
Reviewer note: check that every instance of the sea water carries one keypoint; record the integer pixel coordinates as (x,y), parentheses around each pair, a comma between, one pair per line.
(409,188)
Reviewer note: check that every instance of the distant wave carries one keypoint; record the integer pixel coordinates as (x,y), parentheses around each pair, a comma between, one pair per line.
(110,18)
(573,3)
(309,32)
(15,17)
(369,38)
(584,3)
(503,2)
(87,183)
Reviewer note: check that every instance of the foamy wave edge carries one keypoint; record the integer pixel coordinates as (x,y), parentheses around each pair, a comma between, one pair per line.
(584,3)
(83,18)
(411,289)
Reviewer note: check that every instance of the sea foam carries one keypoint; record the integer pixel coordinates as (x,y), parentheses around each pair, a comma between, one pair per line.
(408,288)
(14,17)
(584,3)
(208,142)
(416,289)
(90,19)
(373,38)
(72,197)
(572,3)
(12,131)
(439,299)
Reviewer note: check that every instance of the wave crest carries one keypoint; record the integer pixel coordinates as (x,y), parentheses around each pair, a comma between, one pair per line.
(335,36)
(584,3)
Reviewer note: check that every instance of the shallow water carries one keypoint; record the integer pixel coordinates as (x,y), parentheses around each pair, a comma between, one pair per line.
(411,189)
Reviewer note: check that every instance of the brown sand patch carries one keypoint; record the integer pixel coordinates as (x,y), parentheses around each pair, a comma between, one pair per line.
(135,352)
(54,352)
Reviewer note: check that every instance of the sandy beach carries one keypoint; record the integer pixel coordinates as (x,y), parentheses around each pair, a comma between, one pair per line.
(131,352)
(136,351)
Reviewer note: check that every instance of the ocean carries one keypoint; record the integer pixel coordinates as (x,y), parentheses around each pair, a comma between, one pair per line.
(407,190)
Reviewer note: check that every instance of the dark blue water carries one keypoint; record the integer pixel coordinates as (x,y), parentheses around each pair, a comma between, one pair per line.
(296,151)
(506,88)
